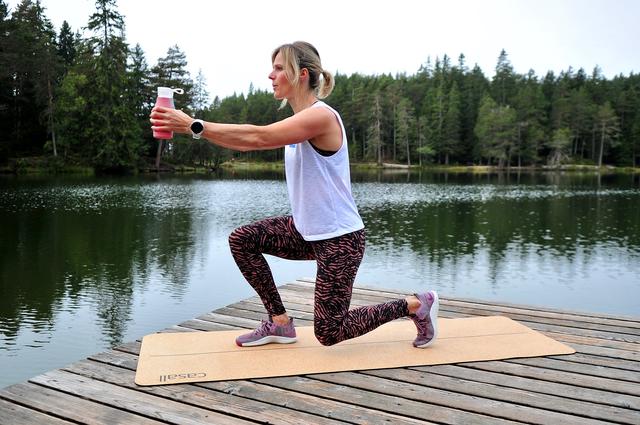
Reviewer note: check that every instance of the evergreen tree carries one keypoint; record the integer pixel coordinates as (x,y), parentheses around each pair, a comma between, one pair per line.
(171,71)
(503,84)
(560,146)
(140,94)
(29,52)
(451,125)
(404,120)
(607,126)
(200,94)
(66,45)
(6,85)
(375,130)
(71,107)
(475,88)
(115,134)
(581,112)
(496,131)
(530,105)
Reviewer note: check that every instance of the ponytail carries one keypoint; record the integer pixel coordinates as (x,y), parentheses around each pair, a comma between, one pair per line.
(326,85)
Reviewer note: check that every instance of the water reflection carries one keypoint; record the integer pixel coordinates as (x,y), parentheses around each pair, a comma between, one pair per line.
(91,262)
(90,248)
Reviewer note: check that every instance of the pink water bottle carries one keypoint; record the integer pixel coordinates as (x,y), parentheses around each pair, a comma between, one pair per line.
(165,98)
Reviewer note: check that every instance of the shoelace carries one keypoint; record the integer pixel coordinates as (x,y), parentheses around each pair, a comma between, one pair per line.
(263,329)
(423,326)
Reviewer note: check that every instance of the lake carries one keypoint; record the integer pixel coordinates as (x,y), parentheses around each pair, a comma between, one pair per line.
(89,262)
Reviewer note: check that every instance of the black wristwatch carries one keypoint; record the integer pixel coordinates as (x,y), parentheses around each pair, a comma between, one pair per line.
(197,127)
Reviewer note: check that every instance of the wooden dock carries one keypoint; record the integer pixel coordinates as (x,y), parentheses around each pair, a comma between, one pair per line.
(599,384)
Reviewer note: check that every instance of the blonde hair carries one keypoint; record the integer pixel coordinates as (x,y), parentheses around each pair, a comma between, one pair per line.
(299,55)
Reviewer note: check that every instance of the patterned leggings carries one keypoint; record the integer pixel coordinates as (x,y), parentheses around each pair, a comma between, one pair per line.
(338,260)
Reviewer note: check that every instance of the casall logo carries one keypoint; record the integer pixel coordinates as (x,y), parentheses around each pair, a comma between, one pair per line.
(166,378)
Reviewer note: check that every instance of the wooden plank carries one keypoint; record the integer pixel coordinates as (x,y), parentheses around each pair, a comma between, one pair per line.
(532,385)
(131,400)
(523,403)
(66,406)
(226,403)
(276,396)
(480,405)
(14,414)
(334,409)
(205,325)
(427,410)
(598,346)
(559,326)
(592,370)
(614,363)
(578,380)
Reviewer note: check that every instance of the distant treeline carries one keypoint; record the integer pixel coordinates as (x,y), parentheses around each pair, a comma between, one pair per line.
(86,100)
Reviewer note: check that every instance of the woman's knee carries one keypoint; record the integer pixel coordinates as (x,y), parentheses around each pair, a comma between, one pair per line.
(325,335)
(240,239)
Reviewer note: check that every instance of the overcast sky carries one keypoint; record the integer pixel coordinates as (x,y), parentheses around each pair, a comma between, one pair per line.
(232,40)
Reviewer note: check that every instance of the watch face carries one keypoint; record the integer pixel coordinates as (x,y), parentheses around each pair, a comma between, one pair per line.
(197,127)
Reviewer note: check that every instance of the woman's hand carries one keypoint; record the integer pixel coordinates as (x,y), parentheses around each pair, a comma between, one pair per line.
(169,119)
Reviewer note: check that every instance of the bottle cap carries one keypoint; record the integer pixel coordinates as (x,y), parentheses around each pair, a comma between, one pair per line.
(168,92)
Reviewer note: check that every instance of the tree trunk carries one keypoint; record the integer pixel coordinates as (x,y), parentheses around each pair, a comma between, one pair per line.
(593,143)
(408,153)
(601,147)
(51,125)
(158,153)
(394,133)
(379,153)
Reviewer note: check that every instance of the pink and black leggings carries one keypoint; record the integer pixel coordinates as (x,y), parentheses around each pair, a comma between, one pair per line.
(338,260)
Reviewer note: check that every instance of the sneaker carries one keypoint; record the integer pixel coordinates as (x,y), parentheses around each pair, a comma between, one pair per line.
(267,333)
(426,319)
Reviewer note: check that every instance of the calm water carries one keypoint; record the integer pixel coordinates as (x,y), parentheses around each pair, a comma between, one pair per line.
(86,263)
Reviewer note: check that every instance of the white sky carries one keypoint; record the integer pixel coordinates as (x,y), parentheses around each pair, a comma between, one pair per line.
(232,40)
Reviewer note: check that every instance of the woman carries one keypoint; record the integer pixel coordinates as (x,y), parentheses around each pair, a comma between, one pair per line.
(325,225)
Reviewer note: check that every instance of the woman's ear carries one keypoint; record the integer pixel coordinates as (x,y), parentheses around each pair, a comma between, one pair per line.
(304,73)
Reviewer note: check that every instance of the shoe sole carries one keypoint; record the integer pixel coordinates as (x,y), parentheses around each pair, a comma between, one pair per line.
(433,317)
(268,340)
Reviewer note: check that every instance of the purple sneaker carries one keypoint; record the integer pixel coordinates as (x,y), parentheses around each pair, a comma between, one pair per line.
(426,319)
(267,333)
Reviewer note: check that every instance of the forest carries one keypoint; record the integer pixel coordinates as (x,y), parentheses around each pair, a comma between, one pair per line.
(83,98)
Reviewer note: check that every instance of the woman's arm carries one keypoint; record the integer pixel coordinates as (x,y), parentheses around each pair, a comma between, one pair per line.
(308,124)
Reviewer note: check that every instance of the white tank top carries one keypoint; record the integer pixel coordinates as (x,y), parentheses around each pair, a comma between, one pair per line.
(320,189)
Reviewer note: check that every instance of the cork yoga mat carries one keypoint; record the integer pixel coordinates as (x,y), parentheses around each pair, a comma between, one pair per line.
(172,358)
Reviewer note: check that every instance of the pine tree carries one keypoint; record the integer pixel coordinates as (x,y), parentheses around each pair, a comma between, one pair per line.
(200,94)
(140,93)
(66,45)
(496,130)
(608,128)
(404,122)
(560,146)
(6,85)
(115,135)
(171,71)
(31,63)
(451,124)
(530,106)
(503,84)
(375,130)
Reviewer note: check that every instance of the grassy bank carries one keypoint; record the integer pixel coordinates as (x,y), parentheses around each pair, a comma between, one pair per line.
(44,166)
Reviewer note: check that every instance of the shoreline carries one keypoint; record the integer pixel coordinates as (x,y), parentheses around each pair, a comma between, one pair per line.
(39,167)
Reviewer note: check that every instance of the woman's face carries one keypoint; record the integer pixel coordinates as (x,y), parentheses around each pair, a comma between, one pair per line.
(282,88)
